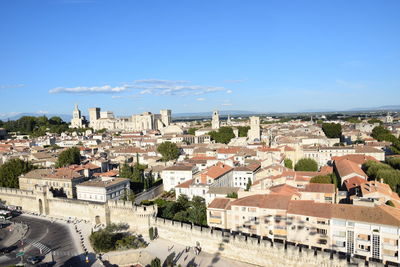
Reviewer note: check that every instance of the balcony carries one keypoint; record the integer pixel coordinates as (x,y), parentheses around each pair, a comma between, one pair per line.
(390,258)
(215,221)
(389,246)
(363,241)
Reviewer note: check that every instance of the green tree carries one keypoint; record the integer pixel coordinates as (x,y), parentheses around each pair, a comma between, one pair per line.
(68,157)
(11,170)
(248,185)
(394,162)
(151,233)
(306,164)
(197,211)
(192,131)
(374,120)
(223,135)
(288,163)
(322,179)
(389,203)
(232,195)
(332,130)
(243,130)
(156,262)
(168,150)
(126,171)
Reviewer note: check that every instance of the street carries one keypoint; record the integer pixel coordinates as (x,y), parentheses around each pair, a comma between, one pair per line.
(45,237)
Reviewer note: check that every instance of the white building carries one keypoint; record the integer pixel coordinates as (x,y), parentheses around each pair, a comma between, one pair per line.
(177,174)
(254,133)
(103,189)
(139,122)
(78,121)
(242,175)
(215,124)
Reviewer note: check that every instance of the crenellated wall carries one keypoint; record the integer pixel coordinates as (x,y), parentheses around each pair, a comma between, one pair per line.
(140,218)
(247,249)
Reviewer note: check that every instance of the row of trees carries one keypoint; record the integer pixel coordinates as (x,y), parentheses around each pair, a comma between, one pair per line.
(36,126)
(380,133)
(389,175)
(11,170)
(183,210)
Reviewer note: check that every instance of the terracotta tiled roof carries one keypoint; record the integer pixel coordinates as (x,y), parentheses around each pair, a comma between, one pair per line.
(378,214)
(104,183)
(285,189)
(270,201)
(268,149)
(346,167)
(309,208)
(185,184)
(61,173)
(111,173)
(320,188)
(219,203)
(218,170)
(180,167)
(228,150)
(354,182)
(374,186)
(357,158)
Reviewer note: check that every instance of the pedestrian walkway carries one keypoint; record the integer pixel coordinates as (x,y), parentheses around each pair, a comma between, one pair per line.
(42,248)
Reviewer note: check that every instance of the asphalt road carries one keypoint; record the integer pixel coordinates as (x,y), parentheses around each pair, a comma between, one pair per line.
(44,236)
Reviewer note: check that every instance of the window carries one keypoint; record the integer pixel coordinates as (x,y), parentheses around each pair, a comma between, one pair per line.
(322,231)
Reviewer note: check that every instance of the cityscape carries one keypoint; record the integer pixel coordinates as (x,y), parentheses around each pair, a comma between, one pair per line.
(184,133)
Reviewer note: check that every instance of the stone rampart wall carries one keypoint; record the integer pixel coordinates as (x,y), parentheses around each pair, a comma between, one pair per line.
(242,248)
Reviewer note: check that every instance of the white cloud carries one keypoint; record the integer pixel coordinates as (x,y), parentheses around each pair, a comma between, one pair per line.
(160,82)
(93,89)
(200,99)
(9,114)
(351,85)
(147,87)
(11,86)
(227,104)
(42,112)
(173,87)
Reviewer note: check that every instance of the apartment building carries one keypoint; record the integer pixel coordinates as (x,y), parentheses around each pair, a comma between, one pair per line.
(62,181)
(177,174)
(243,174)
(369,232)
(103,189)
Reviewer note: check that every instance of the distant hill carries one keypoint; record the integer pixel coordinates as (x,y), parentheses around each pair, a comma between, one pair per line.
(389,107)
(64,117)
(209,113)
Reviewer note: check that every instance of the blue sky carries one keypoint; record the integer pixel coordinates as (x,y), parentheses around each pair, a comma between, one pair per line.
(190,56)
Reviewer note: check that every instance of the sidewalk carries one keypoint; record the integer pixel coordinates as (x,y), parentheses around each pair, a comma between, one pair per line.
(164,249)
(80,232)
(16,232)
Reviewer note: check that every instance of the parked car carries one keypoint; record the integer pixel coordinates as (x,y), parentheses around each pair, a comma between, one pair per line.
(34,259)
(8,249)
